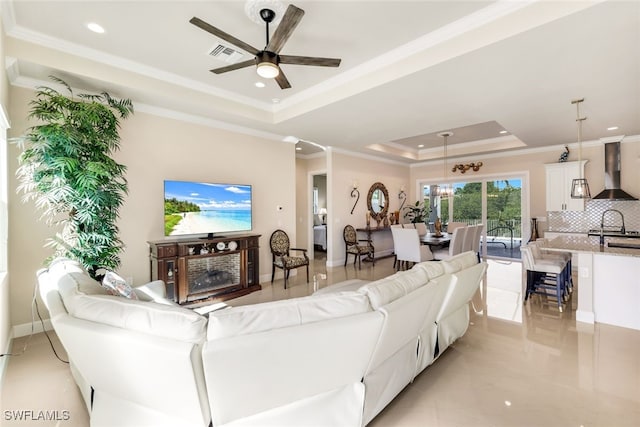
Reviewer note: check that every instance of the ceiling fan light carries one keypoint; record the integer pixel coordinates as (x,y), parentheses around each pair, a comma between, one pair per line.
(268,70)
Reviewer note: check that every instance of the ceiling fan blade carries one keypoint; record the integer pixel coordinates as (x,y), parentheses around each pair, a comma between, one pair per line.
(236,66)
(289,22)
(282,80)
(224,36)
(309,60)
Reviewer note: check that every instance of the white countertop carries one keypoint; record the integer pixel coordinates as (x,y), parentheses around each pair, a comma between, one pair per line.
(591,244)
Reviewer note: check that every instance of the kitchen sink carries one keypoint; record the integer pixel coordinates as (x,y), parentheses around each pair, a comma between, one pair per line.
(615,233)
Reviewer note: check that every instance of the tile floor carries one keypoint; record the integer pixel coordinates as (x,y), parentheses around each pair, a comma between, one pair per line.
(516,366)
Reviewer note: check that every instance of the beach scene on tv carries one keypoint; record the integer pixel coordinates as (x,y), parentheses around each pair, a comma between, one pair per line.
(199,207)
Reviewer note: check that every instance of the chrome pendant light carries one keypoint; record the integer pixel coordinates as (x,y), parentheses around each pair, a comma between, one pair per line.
(579,186)
(445,190)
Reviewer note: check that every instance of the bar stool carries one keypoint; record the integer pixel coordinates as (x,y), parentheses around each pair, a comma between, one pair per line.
(544,275)
(557,255)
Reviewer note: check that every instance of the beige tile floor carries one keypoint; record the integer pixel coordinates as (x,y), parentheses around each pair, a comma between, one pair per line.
(516,366)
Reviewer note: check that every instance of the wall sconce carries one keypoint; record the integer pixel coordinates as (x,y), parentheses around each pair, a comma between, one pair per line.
(463,168)
(402,196)
(355,193)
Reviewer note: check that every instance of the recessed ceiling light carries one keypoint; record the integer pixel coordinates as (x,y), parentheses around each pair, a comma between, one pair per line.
(298,148)
(503,131)
(275,100)
(421,146)
(612,128)
(95,27)
(260,84)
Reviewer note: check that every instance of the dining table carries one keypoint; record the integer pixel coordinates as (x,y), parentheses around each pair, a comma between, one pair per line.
(433,240)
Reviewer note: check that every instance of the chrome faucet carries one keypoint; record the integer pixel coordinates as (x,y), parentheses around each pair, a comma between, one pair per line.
(622,229)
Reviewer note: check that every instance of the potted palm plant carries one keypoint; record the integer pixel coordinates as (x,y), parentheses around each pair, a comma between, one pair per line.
(66,168)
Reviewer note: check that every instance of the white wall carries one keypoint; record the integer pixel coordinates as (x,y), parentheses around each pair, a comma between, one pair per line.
(156,148)
(343,170)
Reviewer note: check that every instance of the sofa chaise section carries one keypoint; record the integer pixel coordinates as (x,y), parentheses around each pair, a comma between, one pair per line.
(291,363)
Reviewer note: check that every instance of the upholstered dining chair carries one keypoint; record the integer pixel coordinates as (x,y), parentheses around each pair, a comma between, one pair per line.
(455,246)
(469,236)
(451,226)
(354,246)
(421,227)
(281,257)
(408,248)
(395,256)
(477,236)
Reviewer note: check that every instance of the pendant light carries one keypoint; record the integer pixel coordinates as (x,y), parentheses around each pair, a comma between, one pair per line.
(444,191)
(579,186)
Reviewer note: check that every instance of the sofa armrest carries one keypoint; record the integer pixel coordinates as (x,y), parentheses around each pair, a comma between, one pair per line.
(155,291)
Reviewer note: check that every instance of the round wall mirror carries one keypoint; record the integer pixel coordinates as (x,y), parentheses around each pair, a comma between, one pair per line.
(378,201)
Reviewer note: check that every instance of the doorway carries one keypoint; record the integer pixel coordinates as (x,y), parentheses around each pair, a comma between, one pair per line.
(319,215)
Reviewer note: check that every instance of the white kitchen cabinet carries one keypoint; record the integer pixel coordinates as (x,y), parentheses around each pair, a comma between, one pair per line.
(616,290)
(558,185)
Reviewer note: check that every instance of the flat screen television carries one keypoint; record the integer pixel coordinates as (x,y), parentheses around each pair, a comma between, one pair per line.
(209,208)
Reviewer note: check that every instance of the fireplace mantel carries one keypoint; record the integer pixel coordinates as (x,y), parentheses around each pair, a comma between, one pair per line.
(204,270)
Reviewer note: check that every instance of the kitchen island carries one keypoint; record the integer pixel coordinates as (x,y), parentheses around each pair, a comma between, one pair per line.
(608,279)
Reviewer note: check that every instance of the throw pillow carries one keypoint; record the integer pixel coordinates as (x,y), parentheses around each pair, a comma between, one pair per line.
(117,286)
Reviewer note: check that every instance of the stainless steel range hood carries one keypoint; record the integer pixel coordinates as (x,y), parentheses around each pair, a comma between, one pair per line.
(612,190)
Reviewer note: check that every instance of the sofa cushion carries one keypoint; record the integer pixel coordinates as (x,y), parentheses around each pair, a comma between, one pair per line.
(345,286)
(71,278)
(262,317)
(155,319)
(383,291)
(396,286)
(60,266)
(75,283)
(460,261)
(432,268)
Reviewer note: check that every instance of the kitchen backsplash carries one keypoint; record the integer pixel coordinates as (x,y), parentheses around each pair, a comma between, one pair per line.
(583,221)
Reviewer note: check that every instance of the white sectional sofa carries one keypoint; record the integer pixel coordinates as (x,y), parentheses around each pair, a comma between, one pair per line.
(335,358)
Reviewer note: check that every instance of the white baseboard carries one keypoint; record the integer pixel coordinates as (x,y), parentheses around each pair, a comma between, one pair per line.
(26,328)
(18,331)
(379,254)
(585,316)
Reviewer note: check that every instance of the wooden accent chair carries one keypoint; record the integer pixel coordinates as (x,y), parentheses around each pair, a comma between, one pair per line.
(353,246)
(281,257)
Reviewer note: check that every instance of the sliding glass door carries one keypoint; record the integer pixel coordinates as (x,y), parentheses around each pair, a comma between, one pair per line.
(504,218)
(497,203)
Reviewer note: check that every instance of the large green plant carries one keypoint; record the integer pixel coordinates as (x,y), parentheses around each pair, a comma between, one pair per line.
(67,169)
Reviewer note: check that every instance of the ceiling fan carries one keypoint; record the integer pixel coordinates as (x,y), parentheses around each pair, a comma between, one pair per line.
(269,59)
